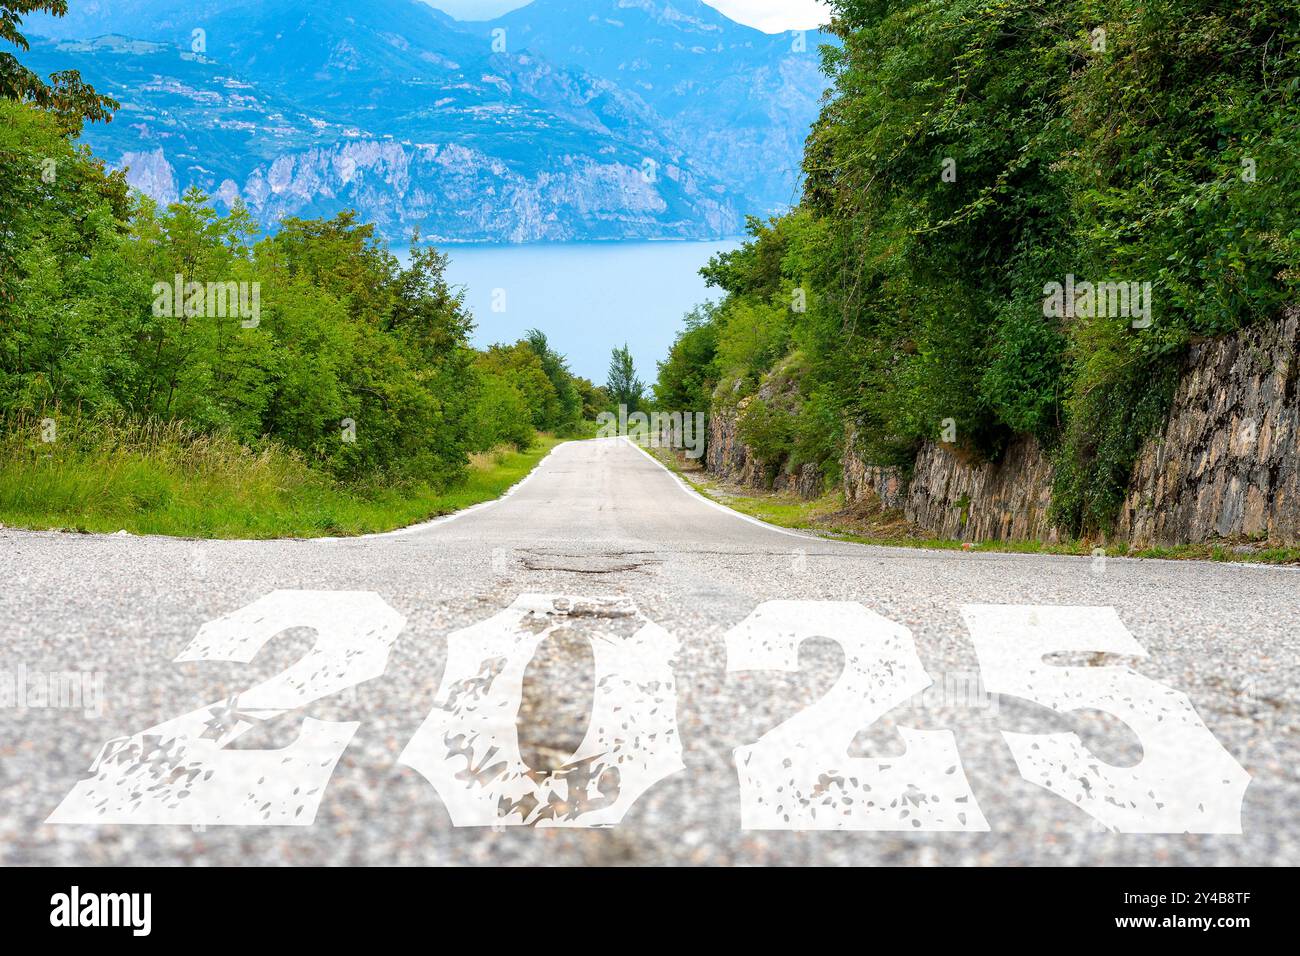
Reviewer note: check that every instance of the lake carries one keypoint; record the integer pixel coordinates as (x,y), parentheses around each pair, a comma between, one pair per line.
(587,297)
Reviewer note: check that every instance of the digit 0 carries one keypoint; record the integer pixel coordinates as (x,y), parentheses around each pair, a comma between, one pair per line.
(468,746)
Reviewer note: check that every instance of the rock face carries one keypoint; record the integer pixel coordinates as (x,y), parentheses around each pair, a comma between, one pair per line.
(731,459)
(150,173)
(862,481)
(727,456)
(951,496)
(1007,500)
(1226,466)
(451,192)
(1228,462)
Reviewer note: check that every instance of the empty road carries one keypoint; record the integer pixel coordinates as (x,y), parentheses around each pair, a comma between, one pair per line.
(582,671)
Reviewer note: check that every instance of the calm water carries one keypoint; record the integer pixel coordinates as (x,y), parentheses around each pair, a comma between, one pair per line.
(587,297)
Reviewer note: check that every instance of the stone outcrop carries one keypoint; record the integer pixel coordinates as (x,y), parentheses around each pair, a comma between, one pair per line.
(806,481)
(1225,468)
(952,496)
(149,172)
(729,458)
(732,460)
(862,481)
(453,192)
(1227,465)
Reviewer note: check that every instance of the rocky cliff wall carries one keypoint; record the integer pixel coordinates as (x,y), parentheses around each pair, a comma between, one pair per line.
(1227,465)
(951,496)
(452,193)
(732,460)
(862,481)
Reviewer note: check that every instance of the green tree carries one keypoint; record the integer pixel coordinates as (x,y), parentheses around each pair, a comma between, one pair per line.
(62,222)
(622,384)
(556,367)
(64,94)
(594,398)
(690,373)
(522,367)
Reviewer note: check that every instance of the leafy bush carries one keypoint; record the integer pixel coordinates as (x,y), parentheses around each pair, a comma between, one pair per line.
(689,374)
(767,429)
(501,414)
(974,151)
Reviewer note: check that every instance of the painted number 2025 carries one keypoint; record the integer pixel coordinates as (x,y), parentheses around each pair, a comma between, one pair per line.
(798,776)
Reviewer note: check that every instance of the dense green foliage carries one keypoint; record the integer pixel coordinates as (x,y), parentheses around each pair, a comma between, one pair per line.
(63,94)
(331,347)
(528,386)
(971,153)
(689,374)
(623,386)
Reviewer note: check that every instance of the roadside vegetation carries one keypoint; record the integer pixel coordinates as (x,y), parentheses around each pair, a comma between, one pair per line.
(829,517)
(972,153)
(165,478)
(169,370)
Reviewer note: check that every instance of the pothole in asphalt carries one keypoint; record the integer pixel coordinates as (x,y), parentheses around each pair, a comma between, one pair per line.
(558,695)
(596,562)
(1088,659)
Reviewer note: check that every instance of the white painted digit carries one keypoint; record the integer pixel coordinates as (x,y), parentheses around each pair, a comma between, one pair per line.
(1185,782)
(468,746)
(799,776)
(179,772)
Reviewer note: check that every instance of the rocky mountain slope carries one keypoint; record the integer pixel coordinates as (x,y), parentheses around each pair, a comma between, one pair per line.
(507,131)
(737,100)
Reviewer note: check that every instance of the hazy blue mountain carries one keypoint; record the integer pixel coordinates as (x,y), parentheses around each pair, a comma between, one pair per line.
(393,108)
(734,98)
(184,119)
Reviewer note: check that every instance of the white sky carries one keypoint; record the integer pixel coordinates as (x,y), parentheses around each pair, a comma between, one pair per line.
(770,15)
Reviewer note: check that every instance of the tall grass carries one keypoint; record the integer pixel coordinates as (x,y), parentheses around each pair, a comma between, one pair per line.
(106,474)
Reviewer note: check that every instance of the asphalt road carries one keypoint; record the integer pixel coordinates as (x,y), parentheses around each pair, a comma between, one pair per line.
(637,583)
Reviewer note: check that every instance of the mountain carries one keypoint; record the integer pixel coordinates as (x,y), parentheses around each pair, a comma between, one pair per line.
(734,98)
(418,121)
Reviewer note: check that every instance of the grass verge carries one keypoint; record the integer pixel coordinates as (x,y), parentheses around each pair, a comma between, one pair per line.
(161,479)
(828,517)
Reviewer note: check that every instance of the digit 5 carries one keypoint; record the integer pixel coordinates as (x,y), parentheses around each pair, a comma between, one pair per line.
(1185,782)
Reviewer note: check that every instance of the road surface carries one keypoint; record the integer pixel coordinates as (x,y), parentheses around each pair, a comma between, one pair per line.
(646,562)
